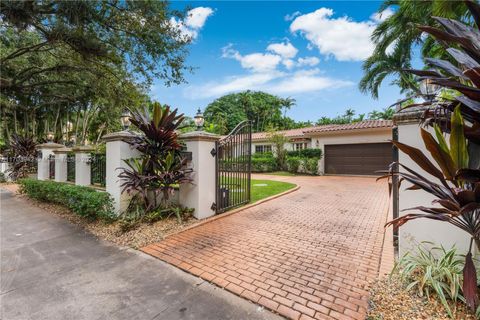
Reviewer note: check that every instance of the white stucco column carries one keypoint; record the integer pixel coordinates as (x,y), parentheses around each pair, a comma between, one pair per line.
(200,194)
(416,231)
(118,150)
(82,165)
(46,150)
(61,164)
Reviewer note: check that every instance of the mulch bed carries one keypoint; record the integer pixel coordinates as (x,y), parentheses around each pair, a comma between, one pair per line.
(390,301)
(144,234)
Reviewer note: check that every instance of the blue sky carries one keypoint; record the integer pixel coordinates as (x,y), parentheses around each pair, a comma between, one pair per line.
(311,51)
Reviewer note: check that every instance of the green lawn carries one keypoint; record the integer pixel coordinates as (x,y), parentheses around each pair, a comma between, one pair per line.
(262,189)
(281,173)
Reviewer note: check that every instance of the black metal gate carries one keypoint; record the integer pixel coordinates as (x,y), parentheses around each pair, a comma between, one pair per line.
(51,165)
(233,168)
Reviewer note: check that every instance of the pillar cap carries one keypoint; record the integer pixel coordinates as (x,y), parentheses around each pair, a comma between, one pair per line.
(63,150)
(409,115)
(199,136)
(50,145)
(118,136)
(83,149)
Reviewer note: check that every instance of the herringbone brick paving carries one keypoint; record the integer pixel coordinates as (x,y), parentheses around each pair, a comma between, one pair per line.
(308,255)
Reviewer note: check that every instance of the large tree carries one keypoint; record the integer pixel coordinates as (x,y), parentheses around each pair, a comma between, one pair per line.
(74,61)
(263,109)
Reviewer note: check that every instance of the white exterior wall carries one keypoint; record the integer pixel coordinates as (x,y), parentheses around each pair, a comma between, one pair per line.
(289,146)
(345,137)
(415,231)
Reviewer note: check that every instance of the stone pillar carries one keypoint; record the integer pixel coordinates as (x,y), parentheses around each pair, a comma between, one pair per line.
(118,150)
(200,194)
(61,164)
(46,149)
(82,165)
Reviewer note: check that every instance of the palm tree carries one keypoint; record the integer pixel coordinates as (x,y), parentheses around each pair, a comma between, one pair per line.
(287,103)
(395,37)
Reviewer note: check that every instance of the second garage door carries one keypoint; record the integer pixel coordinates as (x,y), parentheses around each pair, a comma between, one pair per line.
(358,159)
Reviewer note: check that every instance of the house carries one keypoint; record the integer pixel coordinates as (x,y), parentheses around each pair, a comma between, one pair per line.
(359,148)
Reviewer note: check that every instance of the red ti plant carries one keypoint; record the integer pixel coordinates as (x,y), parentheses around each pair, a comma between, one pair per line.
(456,184)
(161,165)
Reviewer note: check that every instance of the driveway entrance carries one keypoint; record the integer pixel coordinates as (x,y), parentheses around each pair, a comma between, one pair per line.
(308,254)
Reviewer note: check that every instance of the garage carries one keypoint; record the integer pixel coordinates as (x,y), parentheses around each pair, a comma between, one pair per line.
(358,159)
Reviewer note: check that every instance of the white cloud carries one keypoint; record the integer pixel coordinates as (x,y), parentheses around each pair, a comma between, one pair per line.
(306,81)
(308,61)
(284,49)
(197,17)
(288,63)
(290,17)
(382,16)
(273,82)
(342,38)
(256,62)
(193,23)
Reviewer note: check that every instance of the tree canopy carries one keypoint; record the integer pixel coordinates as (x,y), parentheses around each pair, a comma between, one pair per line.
(397,36)
(80,63)
(263,109)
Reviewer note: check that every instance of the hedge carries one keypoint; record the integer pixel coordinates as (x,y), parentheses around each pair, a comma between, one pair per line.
(83,201)
(306,153)
(264,164)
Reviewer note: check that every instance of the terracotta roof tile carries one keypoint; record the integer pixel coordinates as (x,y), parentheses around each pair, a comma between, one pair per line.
(298,133)
(366,124)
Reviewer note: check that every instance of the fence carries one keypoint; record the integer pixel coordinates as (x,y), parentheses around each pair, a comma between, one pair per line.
(71,167)
(98,167)
(51,164)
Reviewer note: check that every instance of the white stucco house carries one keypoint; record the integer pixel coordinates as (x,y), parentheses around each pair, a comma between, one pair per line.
(359,148)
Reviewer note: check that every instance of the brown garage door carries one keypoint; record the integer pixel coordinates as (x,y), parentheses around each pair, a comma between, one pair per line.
(361,159)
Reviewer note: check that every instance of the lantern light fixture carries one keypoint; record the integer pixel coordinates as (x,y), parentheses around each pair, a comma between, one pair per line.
(199,120)
(125,120)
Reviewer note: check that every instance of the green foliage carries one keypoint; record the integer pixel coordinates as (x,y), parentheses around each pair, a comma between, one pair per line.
(306,153)
(264,163)
(293,164)
(347,117)
(22,154)
(278,141)
(78,64)
(433,270)
(397,35)
(83,201)
(311,165)
(160,166)
(263,109)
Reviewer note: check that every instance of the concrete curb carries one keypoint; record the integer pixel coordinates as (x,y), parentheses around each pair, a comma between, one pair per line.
(229,213)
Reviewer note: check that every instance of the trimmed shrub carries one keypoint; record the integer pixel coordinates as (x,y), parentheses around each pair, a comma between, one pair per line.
(264,164)
(306,153)
(310,165)
(83,201)
(293,164)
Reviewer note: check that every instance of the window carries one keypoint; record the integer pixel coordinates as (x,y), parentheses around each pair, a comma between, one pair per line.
(300,146)
(263,148)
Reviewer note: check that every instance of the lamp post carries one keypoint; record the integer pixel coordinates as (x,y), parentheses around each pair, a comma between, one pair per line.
(199,120)
(428,89)
(125,119)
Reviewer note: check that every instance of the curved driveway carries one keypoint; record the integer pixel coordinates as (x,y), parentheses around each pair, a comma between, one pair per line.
(308,254)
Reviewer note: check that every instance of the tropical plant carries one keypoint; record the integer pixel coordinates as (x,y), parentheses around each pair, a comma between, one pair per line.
(161,166)
(430,269)
(396,37)
(21,155)
(456,175)
(293,164)
(278,141)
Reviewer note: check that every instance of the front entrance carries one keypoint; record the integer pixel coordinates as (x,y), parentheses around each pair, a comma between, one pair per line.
(358,159)
(233,168)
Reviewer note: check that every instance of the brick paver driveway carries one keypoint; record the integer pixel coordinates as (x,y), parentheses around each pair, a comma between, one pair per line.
(309,254)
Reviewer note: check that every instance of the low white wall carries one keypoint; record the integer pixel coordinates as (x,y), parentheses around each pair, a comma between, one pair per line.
(413,232)
(348,137)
